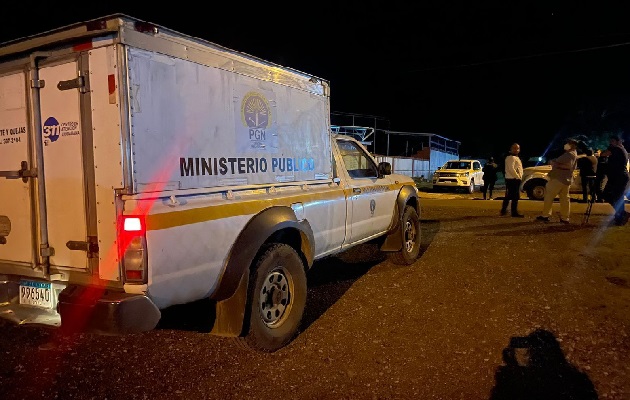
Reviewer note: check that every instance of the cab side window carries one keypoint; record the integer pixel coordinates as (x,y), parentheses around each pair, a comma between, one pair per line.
(476,166)
(357,163)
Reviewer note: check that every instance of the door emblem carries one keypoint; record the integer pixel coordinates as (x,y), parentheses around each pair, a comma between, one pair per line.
(372,206)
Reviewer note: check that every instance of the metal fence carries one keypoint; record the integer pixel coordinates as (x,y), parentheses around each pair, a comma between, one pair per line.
(416,167)
(412,167)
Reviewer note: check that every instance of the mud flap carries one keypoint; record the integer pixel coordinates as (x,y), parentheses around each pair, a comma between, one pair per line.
(230,313)
(393,240)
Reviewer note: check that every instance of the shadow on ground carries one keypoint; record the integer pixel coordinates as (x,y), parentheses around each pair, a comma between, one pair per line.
(535,368)
(536,228)
(197,316)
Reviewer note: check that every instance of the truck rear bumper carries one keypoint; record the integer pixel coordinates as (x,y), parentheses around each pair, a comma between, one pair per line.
(85,309)
(105,311)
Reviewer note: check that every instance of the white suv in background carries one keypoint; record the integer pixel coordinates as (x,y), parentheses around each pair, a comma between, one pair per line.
(464,174)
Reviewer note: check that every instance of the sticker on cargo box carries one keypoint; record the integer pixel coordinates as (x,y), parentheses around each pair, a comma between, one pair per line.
(53,130)
(256,122)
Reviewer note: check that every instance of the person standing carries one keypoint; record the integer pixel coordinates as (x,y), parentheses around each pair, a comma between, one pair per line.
(588,167)
(489,178)
(560,179)
(618,178)
(600,176)
(513,178)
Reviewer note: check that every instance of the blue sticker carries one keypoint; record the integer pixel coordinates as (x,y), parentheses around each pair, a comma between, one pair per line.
(51,130)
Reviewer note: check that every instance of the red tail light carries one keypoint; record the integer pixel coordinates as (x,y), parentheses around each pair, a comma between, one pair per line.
(132,248)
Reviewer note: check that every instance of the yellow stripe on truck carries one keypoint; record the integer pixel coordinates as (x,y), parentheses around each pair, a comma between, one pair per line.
(243,207)
(247,207)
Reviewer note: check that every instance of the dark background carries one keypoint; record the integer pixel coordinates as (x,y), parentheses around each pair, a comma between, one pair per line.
(485,74)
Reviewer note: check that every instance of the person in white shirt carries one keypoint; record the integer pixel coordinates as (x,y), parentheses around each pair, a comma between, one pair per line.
(513,178)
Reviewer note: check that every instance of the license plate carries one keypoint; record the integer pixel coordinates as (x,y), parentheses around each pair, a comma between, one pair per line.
(37,294)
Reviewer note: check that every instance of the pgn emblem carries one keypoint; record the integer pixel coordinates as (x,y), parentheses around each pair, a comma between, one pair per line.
(51,130)
(256,115)
(372,206)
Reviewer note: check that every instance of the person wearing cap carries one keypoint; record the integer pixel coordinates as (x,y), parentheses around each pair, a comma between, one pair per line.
(618,178)
(560,179)
(489,178)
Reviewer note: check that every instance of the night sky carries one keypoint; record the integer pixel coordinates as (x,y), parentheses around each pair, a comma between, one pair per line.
(485,74)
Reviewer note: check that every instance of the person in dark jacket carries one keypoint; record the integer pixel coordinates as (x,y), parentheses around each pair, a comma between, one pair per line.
(618,178)
(489,178)
(587,165)
(600,176)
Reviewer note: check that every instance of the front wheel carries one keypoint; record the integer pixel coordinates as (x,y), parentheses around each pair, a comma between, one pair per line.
(471,187)
(536,192)
(410,238)
(276,298)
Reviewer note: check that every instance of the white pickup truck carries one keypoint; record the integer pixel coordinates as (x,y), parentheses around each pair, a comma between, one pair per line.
(459,174)
(141,168)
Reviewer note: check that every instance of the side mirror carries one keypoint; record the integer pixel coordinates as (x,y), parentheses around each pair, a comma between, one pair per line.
(384,168)
(439,167)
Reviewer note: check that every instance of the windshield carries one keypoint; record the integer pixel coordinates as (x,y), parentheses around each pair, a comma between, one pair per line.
(456,165)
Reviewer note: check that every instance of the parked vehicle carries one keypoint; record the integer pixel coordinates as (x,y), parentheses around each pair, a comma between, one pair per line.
(141,168)
(459,174)
(535,180)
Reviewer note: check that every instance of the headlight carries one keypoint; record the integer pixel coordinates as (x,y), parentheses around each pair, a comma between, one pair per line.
(462,175)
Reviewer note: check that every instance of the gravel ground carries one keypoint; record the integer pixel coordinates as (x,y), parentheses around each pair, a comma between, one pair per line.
(447,327)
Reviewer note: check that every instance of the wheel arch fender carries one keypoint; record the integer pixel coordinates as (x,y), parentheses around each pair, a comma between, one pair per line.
(267,224)
(533,180)
(271,224)
(408,195)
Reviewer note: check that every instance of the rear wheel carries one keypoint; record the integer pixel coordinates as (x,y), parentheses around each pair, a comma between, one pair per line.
(276,299)
(410,238)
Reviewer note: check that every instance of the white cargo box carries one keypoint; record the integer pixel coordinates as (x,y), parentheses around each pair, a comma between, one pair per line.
(221,128)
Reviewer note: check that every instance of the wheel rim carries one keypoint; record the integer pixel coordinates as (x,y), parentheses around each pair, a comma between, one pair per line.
(539,192)
(275,297)
(410,236)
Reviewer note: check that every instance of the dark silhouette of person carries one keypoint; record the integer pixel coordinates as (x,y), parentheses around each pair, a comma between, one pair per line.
(489,178)
(587,165)
(618,178)
(536,369)
(600,176)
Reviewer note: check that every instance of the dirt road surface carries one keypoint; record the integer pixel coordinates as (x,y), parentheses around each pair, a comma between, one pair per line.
(495,308)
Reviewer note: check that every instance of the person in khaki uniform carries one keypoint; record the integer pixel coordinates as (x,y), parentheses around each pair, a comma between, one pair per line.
(560,179)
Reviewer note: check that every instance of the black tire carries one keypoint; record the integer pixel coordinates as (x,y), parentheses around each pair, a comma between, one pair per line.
(536,192)
(276,299)
(411,238)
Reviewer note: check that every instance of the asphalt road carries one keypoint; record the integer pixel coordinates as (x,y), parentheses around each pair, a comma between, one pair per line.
(495,308)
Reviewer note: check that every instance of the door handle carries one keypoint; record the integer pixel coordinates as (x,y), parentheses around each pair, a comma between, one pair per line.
(356,190)
(23,173)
